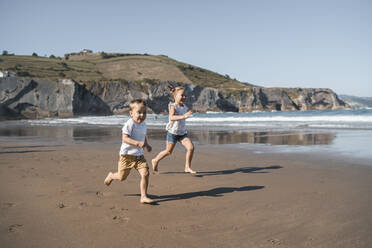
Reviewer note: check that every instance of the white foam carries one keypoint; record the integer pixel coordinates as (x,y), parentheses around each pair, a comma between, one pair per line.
(346,118)
(329,119)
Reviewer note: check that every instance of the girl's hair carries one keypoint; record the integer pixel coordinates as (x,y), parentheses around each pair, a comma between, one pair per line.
(174,90)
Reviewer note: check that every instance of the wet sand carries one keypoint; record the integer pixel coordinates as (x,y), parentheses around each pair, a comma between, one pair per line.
(52,195)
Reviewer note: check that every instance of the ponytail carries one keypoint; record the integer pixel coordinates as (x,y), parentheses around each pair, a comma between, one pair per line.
(171,89)
(174,90)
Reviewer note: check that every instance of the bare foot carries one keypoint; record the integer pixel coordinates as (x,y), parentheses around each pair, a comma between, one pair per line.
(189,170)
(108,179)
(146,200)
(154,165)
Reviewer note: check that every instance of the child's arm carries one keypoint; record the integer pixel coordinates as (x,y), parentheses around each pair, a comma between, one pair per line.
(173,117)
(133,142)
(137,143)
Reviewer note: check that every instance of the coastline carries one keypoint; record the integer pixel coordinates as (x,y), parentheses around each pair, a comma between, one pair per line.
(52,195)
(345,145)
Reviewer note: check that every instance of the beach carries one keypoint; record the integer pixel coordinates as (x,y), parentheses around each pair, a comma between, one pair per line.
(246,194)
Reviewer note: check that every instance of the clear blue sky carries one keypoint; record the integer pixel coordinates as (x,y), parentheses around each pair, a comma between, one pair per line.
(272,43)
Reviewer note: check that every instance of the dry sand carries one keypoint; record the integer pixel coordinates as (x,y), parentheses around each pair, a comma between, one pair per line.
(52,195)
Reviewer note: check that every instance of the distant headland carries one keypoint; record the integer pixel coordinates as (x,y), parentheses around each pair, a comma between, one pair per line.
(88,83)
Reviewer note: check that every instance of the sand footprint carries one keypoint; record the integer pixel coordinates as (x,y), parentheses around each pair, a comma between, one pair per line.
(275,241)
(99,194)
(14,228)
(7,205)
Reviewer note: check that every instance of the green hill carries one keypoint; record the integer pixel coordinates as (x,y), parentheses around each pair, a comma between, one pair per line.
(98,67)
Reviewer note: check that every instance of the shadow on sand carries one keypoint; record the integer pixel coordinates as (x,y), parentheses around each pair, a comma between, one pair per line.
(232,171)
(216,192)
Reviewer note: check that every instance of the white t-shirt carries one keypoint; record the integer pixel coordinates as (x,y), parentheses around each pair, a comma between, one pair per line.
(177,127)
(136,131)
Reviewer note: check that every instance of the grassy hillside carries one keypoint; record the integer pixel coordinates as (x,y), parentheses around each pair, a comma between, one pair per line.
(93,67)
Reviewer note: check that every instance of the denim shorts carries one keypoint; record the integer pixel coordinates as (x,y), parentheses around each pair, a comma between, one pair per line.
(173,138)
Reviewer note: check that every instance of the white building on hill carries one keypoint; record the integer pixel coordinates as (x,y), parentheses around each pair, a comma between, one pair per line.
(85,51)
(4,74)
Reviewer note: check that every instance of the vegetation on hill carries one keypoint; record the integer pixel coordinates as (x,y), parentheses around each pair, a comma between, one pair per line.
(95,67)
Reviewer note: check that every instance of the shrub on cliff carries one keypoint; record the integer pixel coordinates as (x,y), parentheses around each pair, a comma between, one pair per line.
(24,74)
(105,55)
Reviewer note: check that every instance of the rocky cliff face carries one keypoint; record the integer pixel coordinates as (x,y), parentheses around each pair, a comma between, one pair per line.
(38,98)
(118,95)
(283,99)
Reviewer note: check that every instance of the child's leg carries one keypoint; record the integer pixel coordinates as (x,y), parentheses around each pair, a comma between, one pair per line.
(186,142)
(168,151)
(122,174)
(116,176)
(144,172)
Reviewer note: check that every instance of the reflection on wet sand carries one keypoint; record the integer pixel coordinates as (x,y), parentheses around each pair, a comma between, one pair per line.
(272,137)
(205,137)
(75,133)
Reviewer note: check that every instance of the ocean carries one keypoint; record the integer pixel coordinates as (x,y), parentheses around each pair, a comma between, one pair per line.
(360,119)
(346,133)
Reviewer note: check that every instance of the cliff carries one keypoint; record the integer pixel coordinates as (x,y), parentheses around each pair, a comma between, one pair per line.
(38,98)
(22,98)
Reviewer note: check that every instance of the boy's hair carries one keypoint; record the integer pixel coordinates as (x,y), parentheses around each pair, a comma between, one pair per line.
(135,102)
(174,90)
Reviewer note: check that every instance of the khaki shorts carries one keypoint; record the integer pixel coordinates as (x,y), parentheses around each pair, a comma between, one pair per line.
(127,162)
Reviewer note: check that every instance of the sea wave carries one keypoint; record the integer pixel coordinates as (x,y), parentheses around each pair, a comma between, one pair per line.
(345,118)
(297,119)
